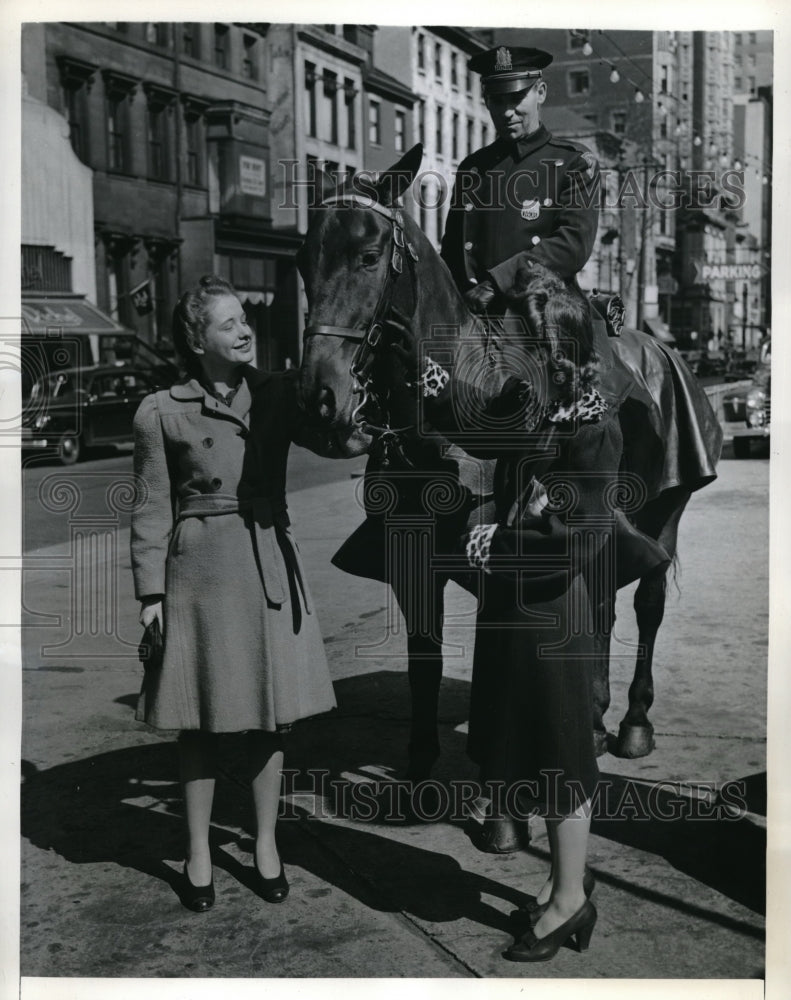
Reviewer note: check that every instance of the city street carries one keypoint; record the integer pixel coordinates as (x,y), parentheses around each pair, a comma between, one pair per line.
(102,835)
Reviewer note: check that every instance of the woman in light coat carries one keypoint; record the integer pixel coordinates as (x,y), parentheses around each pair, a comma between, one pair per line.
(215,563)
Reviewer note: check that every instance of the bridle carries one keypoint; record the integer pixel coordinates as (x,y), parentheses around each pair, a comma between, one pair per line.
(369,339)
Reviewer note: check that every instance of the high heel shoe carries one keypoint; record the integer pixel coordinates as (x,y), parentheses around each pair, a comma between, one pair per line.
(579,926)
(197,898)
(530,912)
(273,890)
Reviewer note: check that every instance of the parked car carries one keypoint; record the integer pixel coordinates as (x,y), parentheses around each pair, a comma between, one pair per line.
(746,410)
(75,409)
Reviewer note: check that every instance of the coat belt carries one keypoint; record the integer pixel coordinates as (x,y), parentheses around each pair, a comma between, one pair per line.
(274,549)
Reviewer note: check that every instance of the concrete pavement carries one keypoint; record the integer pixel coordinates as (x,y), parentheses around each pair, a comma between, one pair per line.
(677,898)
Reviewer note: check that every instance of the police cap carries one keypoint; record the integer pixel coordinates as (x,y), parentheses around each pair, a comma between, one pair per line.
(508,69)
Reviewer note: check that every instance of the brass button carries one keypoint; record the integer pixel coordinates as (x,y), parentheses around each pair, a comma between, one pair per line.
(208,442)
(547,202)
(468,246)
(536,240)
(468,207)
(216,483)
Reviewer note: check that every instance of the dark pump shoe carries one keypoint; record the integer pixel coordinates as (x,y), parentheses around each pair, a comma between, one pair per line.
(530,912)
(197,898)
(273,890)
(533,949)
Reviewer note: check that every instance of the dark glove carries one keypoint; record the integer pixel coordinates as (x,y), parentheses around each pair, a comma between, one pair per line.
(479,298)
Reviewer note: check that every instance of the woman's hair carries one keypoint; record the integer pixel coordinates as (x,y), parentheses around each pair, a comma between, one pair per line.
(555,312)
(190,318)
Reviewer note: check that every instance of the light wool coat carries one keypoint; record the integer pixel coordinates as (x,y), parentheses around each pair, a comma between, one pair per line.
(243,648)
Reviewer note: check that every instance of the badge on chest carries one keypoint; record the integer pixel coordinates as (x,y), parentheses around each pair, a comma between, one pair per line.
(530,209)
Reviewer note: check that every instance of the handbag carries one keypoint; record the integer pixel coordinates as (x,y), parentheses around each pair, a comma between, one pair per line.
(151,648)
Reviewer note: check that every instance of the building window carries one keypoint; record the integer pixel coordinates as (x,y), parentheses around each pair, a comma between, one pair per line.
(576,39)
(438,61)
(470,135)
(189,40)
(619,122)
(350,99)
(439,130)
(330,90)
(454,70)
(751,60)
(222,44)
(310,98)
(738,37)
(484,134)
(157,144)
(751,84)
(374,123)
(578,83)
(421,53)
(421,123)
(468,82)
(400,131)
(192,129)
(76,79)
(454,137)
(157,33)
(737,83)
(117,133)
(663,128)
(250,57)
(751,37)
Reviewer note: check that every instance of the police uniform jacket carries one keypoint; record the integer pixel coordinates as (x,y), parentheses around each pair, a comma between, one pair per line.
(533,199)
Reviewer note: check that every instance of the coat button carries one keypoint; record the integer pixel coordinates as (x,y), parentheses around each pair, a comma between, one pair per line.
(216,483)
(468,207)
(468,246)
(208,442)
(535,240)
(547,202)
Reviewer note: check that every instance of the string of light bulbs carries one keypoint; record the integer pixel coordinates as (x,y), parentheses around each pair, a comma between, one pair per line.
(616,75)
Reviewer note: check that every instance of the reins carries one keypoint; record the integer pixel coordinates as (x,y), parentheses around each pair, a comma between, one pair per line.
(368,340)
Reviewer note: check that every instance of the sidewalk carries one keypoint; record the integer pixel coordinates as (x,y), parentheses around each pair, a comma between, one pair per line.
(101,810)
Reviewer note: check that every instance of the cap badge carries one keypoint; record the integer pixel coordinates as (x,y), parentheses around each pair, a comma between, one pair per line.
(502,62)
(530,209)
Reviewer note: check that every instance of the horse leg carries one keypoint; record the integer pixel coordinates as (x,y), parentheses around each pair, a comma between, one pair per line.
(604,616)
(636,734)
(424,670)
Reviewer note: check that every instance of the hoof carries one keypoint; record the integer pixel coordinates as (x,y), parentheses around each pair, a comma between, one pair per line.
(503,835)
(600,742)
(635,741)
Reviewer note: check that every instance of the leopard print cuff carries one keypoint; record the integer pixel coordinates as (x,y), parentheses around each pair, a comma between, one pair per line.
(588,409)
(434,378)
(479,543)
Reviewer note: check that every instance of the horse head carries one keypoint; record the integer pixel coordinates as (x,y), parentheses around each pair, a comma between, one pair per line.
(359,263)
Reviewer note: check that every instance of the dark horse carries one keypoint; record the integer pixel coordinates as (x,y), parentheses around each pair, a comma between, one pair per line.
(367,269)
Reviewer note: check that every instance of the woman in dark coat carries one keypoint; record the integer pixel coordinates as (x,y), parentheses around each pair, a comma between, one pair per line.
(556,434)
(215,563)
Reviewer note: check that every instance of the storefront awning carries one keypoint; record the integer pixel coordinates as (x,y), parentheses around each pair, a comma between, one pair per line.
(54,314)
(657,328)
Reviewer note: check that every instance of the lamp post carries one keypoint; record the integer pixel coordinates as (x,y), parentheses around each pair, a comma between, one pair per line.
(745,293)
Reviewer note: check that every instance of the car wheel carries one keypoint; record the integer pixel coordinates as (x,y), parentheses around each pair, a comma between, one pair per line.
(69,448)
(741,447)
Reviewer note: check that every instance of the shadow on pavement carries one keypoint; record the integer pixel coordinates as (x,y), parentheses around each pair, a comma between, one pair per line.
(727,854)
(124,806)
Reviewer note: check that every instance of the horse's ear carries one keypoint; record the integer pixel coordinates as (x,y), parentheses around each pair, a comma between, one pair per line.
(392,183)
